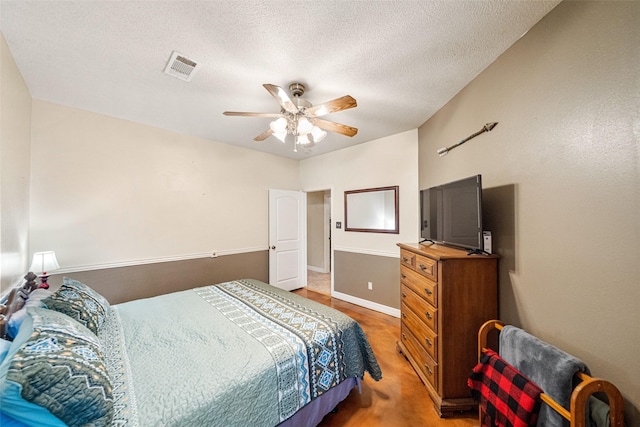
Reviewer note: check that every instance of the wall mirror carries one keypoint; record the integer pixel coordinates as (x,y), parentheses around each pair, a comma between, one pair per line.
(372,210)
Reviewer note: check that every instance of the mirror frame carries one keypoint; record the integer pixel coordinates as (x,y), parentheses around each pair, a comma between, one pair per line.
(395,230)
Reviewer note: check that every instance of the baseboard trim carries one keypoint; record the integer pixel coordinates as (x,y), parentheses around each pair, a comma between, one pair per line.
(366,304)
(317,269)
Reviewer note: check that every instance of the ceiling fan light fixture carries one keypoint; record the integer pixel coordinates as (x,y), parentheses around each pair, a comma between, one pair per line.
(303,139)
(304,126)
(318,134)
(282,136)
(279,125)
(299,118)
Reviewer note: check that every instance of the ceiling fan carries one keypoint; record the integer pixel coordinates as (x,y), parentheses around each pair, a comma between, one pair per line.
(299,118)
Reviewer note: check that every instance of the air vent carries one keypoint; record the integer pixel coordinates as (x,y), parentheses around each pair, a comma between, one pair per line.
(181,67)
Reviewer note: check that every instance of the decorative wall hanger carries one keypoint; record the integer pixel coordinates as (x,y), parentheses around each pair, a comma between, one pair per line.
(486,128)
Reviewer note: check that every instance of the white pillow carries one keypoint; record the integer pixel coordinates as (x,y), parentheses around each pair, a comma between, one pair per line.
(36,296)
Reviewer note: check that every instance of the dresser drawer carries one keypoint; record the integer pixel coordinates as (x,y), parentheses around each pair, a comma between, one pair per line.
(425,311)
(420,285)
(425,336)
(426,365)
(407,258)
(427,267)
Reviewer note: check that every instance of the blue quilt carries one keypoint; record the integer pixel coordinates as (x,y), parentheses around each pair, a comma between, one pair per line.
(236,354)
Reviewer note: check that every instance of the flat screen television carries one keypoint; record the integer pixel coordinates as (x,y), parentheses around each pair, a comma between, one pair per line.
(451,214)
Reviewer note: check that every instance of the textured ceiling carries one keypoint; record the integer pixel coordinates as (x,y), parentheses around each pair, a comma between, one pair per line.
(401,60)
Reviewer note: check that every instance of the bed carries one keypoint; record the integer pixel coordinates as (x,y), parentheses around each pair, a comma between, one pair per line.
(240,353)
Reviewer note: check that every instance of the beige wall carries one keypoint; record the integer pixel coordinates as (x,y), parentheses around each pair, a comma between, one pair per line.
(15,149)
(109,192)
(563,170)
(315,231)
(384,162)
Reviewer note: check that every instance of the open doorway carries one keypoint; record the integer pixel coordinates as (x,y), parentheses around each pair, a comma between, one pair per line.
(319,241)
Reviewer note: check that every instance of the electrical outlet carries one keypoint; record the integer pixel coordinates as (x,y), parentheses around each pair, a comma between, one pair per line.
(370,285)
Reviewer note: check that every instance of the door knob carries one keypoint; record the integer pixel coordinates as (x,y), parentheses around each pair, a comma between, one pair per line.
(273,247)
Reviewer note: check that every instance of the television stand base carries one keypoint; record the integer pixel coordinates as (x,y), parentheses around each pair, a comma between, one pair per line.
(477,252)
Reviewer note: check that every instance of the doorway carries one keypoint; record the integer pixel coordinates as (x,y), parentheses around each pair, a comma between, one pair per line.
(319,241)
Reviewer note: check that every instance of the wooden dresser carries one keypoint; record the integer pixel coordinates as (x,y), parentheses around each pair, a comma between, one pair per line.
(446,295)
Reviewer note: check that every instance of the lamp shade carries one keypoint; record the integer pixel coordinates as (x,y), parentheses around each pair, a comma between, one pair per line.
(318,134)
(279,126)
(44,262)
(281,136)
(304,126)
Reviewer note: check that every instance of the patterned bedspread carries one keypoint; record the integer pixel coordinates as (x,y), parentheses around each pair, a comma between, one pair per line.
(236,354)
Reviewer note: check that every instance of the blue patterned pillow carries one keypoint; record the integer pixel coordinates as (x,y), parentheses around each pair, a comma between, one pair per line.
(80,302)
(61,368)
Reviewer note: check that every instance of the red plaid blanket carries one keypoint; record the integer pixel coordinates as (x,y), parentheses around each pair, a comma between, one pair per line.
(507,398)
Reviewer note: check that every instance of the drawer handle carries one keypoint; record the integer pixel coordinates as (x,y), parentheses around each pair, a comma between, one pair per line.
(404,337)
(428,369)
(404,295)
(405,259)
(404,315)
(423,267)
(404,276)
(428,291)
(429,316)
(428,341)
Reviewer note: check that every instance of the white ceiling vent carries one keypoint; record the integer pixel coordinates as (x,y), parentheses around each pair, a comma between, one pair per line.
(181,67)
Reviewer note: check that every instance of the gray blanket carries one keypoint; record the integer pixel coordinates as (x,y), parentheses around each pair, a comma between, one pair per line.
(549,367)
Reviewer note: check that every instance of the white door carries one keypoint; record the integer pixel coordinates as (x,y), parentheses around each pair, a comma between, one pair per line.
(287,239)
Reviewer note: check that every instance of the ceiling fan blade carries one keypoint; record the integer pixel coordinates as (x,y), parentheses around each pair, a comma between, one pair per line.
(241,113)
(338,104)
(335,127)
(281,96)
(264,135)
